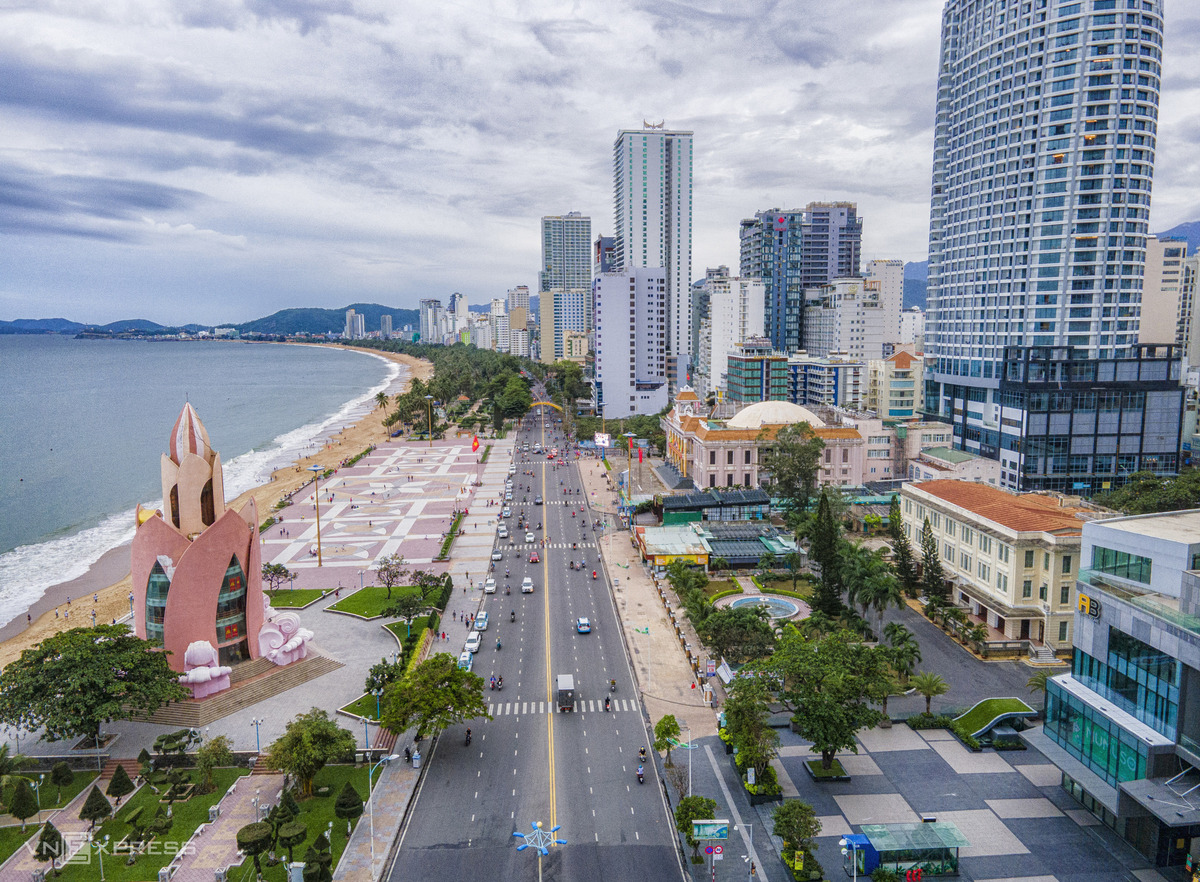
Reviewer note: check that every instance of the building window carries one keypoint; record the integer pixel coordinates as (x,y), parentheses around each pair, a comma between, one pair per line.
(1066,565)
(1042,592)
(729,480)
(1002,583)
(1002,552)
(985,544)
(728,457)
(950,528)
(967,534)
(1064,595)
(1029,559)
(965,562)
(948,552)
(1062,632)
(1027,589)
(156,603)
(828,455)
(1122,564)
(712,480)
(746,479)
(712,457)
(747,461)
(231,616)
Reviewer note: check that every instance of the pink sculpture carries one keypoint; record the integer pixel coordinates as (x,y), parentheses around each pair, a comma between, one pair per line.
(282,640)
(202,673)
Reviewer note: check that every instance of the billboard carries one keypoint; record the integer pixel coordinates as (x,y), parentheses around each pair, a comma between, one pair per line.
(603,439)
(710,829)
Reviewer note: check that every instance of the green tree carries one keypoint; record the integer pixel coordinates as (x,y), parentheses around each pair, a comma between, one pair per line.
(794,561)
(74,681)
(349,805)
(718,564)
(291,835)
(747,715)
(906,652)
(23,805)
(1146,493)
(693,808)
(381,400)
(870,582)
(929,685)
(436,694)
(390,571)
(407,606)
(253,840)
(796,824)
(791,462)
(50,846)
(318,860)
(1037,683)
(766,563)
(275,575)
(213,753)
(382,675)
(826,550)
(310,741)
(10,766)
(933,577)
(95,807)
(666,730)
(902,554)
(61,776)
(120,785)
(738,634)
(829,684)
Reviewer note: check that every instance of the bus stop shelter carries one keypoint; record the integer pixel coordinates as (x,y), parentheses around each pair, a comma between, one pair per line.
(932,847)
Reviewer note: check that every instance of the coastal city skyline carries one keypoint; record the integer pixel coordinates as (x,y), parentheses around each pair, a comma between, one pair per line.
(189,180)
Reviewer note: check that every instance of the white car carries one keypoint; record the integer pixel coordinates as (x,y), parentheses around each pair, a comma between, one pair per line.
(465,660)
(489,587)
(506,512)
(481,621)
(529,537)
(502,532)
(527,586)
(474,641)
(497,554)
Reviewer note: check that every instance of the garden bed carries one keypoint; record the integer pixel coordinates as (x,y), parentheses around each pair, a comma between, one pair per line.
(294,598)
(836,772)
(371,601)
(362,708)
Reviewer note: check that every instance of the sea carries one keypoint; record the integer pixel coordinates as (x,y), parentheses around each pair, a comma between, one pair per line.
(84,423)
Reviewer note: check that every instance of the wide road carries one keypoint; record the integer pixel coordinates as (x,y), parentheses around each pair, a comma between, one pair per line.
(532,763)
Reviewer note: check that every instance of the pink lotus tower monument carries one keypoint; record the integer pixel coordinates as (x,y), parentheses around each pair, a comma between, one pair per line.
(197,566)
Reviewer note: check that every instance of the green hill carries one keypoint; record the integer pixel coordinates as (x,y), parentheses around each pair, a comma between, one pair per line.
(326,321)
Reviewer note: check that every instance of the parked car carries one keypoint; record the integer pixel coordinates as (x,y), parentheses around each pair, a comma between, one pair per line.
(474,641)
(502,532)
(481,621)
(489,587)
(526,588)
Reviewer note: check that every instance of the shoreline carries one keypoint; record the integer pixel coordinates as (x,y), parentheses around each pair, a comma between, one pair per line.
(108,578)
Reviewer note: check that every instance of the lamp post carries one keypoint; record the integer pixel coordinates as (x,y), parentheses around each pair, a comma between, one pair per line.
(37,789)
(316,470)
(629,436)
(366,738)
(429,410)
(361,573)
(256,723)
(850,848)
(371,801)
(377,693)
(99,845)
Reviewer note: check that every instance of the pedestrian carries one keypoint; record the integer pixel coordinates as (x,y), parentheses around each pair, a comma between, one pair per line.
(28,619)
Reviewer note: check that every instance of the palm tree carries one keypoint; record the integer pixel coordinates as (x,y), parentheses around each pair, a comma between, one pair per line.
(896,633)
(10,764)
(929,685)
(1037,683)
(906,652)
(381,399)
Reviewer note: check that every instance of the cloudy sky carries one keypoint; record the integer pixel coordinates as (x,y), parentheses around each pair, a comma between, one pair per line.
(216,160)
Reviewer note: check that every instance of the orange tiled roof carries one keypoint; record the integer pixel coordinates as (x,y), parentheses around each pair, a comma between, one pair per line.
(902,360)
(1023,512)
(687,395)
(837,433)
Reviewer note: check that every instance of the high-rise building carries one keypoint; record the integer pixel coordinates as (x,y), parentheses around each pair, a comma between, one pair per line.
(603,257)
(518,320)
(430,314)
(566,252)
(498,325)
(1043,157)
(355,328)
(733,313)
(631,361)
(385,327)
(797,249)
(563,310)
(831,381)
(850,316)
(1167,312)
(756,373)
(652,202)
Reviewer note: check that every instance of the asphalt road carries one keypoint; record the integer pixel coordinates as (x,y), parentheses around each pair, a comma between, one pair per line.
(532,763)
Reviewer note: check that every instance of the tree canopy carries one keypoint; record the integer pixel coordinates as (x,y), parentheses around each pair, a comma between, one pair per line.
(791,461)
(738,634)
(310,741)
(75,681)
(1147,493)
(437,693)
(826,550)
(693,808)
(933,577)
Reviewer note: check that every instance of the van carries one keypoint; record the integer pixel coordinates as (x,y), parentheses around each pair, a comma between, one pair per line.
(566,693)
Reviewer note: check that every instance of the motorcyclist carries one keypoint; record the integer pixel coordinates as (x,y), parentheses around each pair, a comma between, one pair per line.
(493,682)
(642,754)
(468,736)
(500,683)
(607,703)
(593,575)
(497,643)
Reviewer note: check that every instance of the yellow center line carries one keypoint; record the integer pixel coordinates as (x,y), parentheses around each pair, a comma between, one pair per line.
(551,697)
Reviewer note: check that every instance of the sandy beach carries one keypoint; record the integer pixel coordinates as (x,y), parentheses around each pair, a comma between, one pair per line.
(70,604)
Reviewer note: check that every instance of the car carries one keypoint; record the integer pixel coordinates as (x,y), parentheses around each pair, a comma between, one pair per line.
(533,557)
(502,532)
(481,622)
(537,448)
(508,496)
(506,512)
(526,587)
(529,537)
(583,625)
(497,554)
(465,660)
(489,587)
(474,641)
(537,500)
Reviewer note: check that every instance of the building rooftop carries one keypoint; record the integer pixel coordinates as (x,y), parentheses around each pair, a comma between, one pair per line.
(1022,512)
(946,454)
(773,413)
(1173,526)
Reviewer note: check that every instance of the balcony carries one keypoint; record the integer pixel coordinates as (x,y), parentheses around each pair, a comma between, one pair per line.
(1158,605)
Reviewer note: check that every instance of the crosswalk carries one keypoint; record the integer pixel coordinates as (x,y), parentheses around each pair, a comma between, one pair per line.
(524,708)
(559,545)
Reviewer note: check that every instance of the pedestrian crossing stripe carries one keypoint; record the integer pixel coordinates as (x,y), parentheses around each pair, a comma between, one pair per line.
(524,708)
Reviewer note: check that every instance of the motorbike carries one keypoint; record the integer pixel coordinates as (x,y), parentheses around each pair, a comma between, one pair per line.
(468,738)
(641,774)
(493,684)
(500,684)
(612,685)
(593,575)
(497,646)
(506,590)
(607,704)
(512,617)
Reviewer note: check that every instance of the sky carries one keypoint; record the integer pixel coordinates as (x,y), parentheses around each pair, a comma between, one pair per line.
(217,160)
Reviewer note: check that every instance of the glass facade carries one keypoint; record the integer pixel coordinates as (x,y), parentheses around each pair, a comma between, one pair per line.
(1104,747)
(156,603)
(1137,678)
(1122,564)
(231,615)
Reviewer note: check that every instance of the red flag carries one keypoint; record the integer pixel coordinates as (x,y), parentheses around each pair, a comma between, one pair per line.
(639,454)
(475,444)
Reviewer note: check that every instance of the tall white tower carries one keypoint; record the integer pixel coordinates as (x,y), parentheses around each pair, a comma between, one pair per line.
(652,204)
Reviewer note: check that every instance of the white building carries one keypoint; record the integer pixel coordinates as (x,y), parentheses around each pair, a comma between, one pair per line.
(631,335)
(566,252)
(889,277)
(430,314)
(849,316)
(385,327)
(563,310)
(355,328)
(498,319)
(912,328)
(652,203)
(736,312)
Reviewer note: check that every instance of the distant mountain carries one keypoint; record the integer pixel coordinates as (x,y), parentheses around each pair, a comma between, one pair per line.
(41,326)
(131,325)
(916,280)
(1189,231)
(326,321)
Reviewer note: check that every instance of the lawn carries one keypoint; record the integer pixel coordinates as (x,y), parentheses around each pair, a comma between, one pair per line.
(987,710)
(12,837)
(284,598)
(835,769)
(363,706)
(371,601)
(400,629)
(49,791)
(716,586)
(187,815)
(316,813)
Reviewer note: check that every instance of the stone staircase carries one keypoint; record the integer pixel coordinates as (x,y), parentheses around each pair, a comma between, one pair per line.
(1043,655)
(250,683)
(132,768)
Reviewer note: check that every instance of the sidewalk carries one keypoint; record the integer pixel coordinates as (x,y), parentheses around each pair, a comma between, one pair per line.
(660,665)
(214,846)
(393,790)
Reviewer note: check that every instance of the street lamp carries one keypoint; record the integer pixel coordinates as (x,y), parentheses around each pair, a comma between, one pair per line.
(37,789)
(629,436)
(371,802)
(316,470)
(377,693)
(256,723)
(429,410)
(100,845)
(850,848)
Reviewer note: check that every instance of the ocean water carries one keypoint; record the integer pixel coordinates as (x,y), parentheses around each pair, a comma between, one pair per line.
(83,424)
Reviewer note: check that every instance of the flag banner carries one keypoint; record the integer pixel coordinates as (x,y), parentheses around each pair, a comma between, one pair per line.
(475,444)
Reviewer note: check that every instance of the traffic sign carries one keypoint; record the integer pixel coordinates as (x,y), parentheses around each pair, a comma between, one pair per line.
(718,852)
